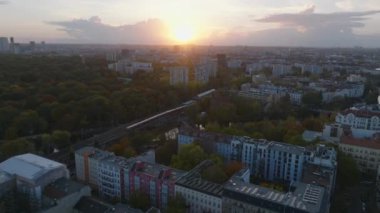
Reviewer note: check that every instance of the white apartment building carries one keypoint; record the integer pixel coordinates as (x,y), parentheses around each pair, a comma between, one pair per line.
(353,90)
(200,201)
(356,78)
(87,162)
(130,67)
(311,68)
(179,75)
(109,175)
(281,69)
(4,44)
(203,71)
(364,121)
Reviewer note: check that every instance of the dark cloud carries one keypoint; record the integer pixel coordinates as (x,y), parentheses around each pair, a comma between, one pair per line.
(92,30)
(4,2)
(308,20)
(306,28)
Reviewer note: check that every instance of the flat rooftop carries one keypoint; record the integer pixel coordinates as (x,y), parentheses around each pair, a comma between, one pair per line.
(317,175)
(157,170)
(5,177)
(29,166)
(305,197)
(94,153)
(193,180)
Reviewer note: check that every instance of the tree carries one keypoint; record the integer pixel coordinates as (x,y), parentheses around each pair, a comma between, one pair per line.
(233,167)
(60,138)
(348,173)
(27,123)
(280,109)
(139,200)
(165,152)
(176,205)
(15,147)
(312,99)
(223,113)
(313,123)
(371,97)
(215,173)
(123,148)
(248,110)
(188,157)
(7,114)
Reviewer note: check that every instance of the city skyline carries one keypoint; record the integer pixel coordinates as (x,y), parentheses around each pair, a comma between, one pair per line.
(317,23)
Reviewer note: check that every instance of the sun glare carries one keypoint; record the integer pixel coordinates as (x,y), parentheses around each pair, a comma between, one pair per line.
(183,34)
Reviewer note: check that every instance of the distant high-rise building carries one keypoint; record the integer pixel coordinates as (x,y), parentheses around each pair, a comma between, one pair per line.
(179,75)
(32,45)
(222,60)
(4,44)
(203,71)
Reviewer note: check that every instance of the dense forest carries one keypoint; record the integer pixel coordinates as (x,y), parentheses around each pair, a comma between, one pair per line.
(68,98)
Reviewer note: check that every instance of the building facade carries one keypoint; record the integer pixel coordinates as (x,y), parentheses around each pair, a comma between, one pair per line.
(204,71)
(200,195)
(273,161)
(366,152)
(118,178)
(364,121)
(243,197)
(31,174)
(4,44)
(179,75)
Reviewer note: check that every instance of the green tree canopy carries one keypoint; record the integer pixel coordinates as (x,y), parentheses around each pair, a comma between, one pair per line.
(348,173)
(15,147)
(176,205)
(139,200)
(188,157)
(312,99)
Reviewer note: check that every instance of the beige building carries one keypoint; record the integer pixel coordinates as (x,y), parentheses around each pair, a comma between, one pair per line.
(366,152)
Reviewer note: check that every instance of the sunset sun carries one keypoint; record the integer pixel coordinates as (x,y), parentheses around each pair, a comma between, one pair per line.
(183,34)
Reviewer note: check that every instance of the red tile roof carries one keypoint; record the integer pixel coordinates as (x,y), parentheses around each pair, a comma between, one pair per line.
(368,143)
(361,113)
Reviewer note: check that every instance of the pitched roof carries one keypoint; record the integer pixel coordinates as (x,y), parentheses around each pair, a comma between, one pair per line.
(368,143)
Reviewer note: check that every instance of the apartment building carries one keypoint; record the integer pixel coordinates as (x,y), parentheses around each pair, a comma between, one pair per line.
(200,195)
(87,162)
(179,75)
(204,71)
(281,69)
(130,67)
(118,177)
(273,161)
(366,152)
(244,197)
(364,121)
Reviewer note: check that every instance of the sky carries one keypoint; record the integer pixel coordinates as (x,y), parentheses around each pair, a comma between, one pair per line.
(316,23)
